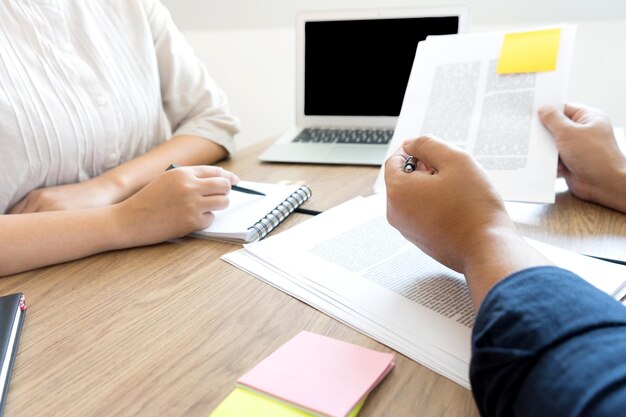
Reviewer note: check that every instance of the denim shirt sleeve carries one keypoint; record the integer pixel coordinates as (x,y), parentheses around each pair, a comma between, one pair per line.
(547,343)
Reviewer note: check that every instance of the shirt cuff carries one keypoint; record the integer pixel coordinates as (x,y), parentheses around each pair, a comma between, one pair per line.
(220,137)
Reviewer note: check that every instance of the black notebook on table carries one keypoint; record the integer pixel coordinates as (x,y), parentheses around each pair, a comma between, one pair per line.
(12,311)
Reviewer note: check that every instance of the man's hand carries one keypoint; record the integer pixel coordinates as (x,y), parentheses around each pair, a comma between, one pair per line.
(589,159)
(451,211)
(446,204)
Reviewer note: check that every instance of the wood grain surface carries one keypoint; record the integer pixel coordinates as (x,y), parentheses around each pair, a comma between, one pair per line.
(166,330)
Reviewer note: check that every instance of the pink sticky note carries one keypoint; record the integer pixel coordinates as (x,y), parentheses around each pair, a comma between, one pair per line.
(318,373)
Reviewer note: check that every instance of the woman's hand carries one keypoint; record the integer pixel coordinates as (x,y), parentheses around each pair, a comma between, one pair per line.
(123,181)
(178,202)
(174,204)
(95,192)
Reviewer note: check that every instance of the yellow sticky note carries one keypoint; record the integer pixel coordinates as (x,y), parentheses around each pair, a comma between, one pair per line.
(534,51)
(245,403)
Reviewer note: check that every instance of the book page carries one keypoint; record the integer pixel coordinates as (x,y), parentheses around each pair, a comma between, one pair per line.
(352,253)
(400,267)
(454,93)
(350,263)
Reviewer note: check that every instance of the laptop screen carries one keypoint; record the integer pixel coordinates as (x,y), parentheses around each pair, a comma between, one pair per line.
(361,67)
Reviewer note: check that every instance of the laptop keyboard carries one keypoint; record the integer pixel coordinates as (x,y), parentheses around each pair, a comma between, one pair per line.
(359,136)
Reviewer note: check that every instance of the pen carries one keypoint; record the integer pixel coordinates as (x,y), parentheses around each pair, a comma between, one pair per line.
(409,164)
(245,190)
(307,211)
(232,187)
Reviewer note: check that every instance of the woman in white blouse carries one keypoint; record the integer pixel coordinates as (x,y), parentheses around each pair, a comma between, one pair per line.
(97,99)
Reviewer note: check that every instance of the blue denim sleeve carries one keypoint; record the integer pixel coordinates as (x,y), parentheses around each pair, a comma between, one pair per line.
(547,343)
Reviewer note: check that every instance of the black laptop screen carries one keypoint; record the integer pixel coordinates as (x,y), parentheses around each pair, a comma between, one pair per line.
(361,67)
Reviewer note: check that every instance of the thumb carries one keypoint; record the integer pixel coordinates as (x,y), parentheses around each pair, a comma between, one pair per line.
(554,120)
(431,151)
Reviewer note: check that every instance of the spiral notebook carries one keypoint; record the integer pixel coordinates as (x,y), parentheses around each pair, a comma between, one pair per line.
(249,218)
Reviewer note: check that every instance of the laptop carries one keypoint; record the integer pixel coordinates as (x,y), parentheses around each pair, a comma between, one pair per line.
(352,70)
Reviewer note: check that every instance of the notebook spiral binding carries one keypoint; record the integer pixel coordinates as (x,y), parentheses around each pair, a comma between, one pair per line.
(278,214)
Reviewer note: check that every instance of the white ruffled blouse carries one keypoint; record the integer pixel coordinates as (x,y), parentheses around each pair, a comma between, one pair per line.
(88,85)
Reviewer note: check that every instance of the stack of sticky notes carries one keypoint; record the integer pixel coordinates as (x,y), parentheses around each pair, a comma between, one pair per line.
(311,375)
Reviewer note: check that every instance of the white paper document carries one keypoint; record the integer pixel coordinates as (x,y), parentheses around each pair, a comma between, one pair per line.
(454,93)
(351,264)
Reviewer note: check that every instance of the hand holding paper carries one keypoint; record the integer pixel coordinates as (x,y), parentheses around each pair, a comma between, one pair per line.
(590,159)
(456,94)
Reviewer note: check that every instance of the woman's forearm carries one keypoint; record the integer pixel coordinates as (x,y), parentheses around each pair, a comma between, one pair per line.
(37,239)
(131,176)
(174,204)
(34,238)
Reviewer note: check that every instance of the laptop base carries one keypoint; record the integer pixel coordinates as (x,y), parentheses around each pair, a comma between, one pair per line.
(319,153)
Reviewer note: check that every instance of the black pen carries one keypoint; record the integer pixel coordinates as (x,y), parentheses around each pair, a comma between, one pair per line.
(232,187)
(307,211)
(245,190)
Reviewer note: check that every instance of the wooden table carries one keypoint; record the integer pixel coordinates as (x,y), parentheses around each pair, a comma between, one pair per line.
(166,330)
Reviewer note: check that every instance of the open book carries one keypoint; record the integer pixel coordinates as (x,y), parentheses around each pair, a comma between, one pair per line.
(456,93)
(351,264)
(249,217)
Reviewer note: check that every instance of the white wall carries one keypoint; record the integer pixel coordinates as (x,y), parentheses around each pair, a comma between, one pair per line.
(256,68)
(248,46)
(255,14)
